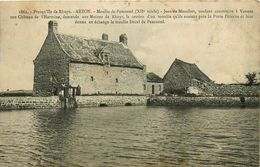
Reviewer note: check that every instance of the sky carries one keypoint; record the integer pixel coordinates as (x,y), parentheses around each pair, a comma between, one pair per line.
(225,50)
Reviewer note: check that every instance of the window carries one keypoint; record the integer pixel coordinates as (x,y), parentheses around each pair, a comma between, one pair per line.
(56,92)
(92,78)
(144,87)
(160,87)
(78,90)
(116,80)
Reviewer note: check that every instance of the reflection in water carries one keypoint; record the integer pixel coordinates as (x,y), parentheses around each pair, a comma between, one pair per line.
(52,132)
(130,136)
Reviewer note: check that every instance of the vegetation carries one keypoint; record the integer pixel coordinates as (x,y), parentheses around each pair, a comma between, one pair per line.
(251,78)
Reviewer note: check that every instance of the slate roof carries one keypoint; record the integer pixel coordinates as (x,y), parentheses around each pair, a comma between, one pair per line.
(152,77)
(191,70)
(85,50)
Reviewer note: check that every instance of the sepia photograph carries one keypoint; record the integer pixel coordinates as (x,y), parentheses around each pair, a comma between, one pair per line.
(130,83)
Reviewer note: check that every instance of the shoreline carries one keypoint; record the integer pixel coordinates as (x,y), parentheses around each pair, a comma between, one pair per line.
(27,102)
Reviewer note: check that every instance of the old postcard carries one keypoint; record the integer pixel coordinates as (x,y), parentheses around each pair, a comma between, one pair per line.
(129,83)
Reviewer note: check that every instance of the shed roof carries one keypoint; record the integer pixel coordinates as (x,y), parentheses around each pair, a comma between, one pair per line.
(86,50)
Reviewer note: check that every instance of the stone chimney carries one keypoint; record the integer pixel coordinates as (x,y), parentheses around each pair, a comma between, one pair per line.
(104,37)
(123,39)
(53,26)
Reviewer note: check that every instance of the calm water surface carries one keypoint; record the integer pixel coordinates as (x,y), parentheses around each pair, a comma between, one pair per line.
(130,136)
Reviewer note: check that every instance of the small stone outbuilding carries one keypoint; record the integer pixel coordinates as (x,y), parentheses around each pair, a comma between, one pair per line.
(183,78)
(153,85)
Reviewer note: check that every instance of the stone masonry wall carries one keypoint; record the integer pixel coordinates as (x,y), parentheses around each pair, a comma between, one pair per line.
(94,101)
(203,101)
(236,90)
(157,90)
(50,67)
(18,103)
(175,79)
(97,79)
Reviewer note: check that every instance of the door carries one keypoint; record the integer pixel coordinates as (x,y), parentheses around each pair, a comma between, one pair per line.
(152,89)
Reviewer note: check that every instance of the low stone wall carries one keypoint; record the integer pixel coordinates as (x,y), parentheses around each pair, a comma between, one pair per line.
(236,90)
(19,103)
(94,101)
(203,101)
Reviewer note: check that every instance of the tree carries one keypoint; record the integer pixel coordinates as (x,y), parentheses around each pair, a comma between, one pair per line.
(251,78)
(258,83)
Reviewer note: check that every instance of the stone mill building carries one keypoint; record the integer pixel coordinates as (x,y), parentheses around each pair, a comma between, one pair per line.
(93,66)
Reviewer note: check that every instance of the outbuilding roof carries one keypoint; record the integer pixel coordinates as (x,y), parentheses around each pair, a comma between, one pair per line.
(152,77)
(191,70)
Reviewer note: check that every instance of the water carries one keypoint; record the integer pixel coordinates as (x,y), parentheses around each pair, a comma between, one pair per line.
(130,136)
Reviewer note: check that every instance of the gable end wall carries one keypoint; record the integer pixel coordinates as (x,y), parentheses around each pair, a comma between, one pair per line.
(50,67)
(176,79)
